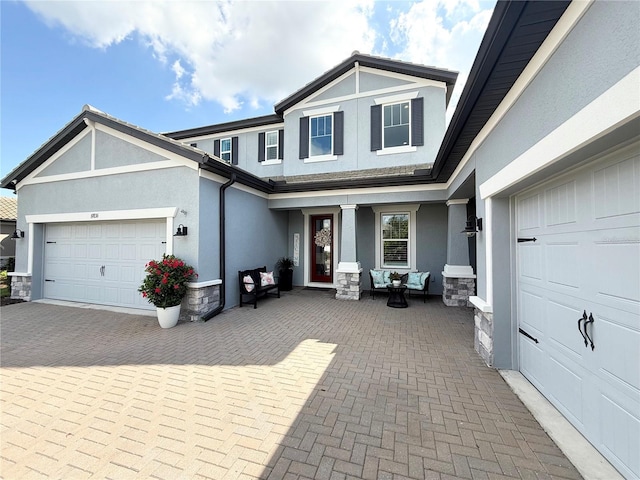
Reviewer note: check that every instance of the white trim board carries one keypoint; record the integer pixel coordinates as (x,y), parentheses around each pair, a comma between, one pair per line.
(105,215)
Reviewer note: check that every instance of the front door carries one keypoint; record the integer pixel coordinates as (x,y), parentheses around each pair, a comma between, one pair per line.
(322,248)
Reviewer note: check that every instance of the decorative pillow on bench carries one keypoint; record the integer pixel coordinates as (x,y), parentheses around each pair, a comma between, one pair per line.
(416,280)
(266,278)
(378,278)
(248,283)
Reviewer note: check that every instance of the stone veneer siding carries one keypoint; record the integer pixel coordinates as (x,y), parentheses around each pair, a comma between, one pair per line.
(348,286)
(21,287)
(199,301)
(457,290)
(483,337)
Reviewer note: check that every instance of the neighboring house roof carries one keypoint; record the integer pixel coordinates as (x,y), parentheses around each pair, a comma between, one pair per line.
(514,34)
(225,127)
(447,76)
(8,208)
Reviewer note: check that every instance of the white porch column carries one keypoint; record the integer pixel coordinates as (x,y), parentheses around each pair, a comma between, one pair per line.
(349,271)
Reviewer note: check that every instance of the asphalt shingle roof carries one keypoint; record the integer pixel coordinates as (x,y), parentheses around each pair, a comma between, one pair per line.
(8,208)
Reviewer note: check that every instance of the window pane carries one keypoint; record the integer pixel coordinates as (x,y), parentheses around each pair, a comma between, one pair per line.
(396,125)
(320,139)
(395,226)
(226,156)
(395,253)
(225,145)
(272,138)
(272,153)
(396,136)
(387,115)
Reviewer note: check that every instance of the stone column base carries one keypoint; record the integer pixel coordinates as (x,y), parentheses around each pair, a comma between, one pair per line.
(202,297)
(483,337)
(457,290)
(348,285)
(21,286)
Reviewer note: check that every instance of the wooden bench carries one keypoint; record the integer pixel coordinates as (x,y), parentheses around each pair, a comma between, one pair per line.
(253,289)
(411,286)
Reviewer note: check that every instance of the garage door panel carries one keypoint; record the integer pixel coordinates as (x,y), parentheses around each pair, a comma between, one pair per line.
(533,312)
(562,332)
(530,261)
(614,184)
(530,212)
(128,251)
(560,204)
(534,362)
(620,433)
(94,251)
(565,387)
(563,264)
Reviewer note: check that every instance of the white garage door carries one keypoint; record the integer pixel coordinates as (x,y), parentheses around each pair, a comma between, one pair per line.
(100,262)
(579,301)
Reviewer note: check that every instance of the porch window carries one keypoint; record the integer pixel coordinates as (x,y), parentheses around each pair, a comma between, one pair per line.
(395,239)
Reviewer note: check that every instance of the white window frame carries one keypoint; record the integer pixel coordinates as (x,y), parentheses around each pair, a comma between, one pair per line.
(384,128)
(324,155)
(222,152)
(392,100)
(411,210)
(273,161)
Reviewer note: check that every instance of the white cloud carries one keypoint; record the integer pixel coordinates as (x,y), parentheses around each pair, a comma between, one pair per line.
(444,34)
(255,53)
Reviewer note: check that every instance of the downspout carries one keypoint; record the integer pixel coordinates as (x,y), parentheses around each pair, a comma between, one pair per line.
(221,212)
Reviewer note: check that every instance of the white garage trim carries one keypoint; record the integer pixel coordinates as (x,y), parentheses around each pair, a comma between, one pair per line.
(107,215)
(616,106)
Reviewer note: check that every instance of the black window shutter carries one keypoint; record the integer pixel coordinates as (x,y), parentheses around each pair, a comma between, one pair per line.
(261,147)
(216,148)
(234,150)
(304,137)
(338,133)
(417,121)
(376,127)
(281,143)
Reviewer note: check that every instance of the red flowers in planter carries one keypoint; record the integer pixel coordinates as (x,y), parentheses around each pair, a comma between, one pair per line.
(166,282)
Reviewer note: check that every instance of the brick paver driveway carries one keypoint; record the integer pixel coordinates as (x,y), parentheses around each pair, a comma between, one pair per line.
(303,387)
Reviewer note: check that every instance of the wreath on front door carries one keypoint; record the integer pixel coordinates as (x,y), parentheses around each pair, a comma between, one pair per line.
(323,237)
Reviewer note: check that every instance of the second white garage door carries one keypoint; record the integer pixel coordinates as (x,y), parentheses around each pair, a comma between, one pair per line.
(579,301)
(101,262)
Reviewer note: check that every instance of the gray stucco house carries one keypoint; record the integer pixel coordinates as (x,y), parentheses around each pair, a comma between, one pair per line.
(542,155)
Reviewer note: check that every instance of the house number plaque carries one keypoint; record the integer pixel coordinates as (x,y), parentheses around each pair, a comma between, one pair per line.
(94,215)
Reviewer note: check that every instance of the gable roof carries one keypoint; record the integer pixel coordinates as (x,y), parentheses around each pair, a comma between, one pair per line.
(447,76)
(8,208)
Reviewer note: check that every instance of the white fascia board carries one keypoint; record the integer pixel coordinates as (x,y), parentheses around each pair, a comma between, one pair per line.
(567,22)
(430,187)
(616,106)
(228,133)
(99,216)
(238,186)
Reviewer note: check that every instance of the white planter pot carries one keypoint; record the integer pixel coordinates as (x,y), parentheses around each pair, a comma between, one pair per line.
(396,283)
(168,317)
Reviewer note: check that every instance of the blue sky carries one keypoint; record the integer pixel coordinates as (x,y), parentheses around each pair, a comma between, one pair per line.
(175,65)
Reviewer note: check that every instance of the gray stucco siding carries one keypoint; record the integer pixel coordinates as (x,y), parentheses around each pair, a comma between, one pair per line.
(347,86)
(371,81)
(256,237)
(76,159)
(431,238)
(114,152)
(600,50)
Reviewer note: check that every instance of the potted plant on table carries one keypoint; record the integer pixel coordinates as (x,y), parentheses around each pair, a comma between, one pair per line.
(165,286)
(284,265)
(395,278)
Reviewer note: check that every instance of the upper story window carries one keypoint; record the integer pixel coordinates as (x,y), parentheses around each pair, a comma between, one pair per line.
(396,123)
(271,146)
(225,149)
(321,135)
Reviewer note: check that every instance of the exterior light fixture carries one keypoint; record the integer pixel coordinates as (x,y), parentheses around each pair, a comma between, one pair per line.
(474,225)
(181,232)
(17,234)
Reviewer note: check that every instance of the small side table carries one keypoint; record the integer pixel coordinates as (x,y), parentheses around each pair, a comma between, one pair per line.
(396,297)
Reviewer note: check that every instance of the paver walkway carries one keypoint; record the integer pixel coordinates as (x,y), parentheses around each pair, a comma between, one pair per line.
(303,387)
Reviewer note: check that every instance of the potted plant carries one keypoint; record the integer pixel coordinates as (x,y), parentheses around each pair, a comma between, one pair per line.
(165,286)
(284,265)
(395,278)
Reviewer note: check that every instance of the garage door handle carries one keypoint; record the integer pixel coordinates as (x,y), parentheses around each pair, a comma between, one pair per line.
(583,319)
(587,322)
(102,272)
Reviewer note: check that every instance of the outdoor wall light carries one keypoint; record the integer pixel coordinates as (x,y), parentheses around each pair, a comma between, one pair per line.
(17,234)
(181,232)
(474,224)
